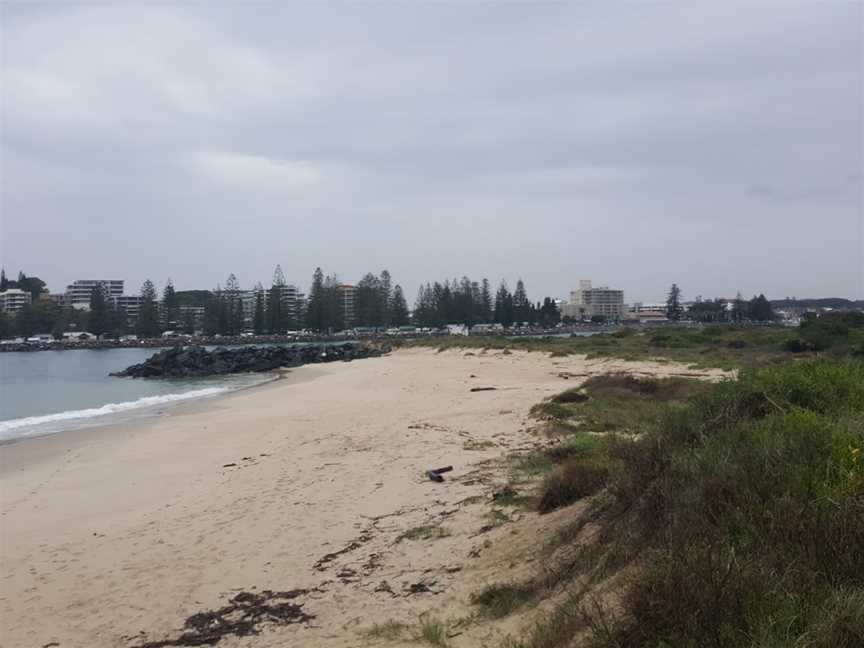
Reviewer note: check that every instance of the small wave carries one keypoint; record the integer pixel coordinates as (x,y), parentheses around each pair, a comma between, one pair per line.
(37,424)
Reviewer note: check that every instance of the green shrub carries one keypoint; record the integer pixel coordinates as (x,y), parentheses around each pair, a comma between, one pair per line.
(574,479)
(751,501)
(501,599)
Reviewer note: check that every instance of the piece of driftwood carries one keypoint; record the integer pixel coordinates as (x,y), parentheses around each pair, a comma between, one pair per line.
(435,473)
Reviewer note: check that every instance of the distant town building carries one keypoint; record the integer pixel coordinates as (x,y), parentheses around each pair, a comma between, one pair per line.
(195,314)
(14,299)
(295,302)
(130,303)
(78,293)
(247,301)
(78,336)
(588,301)
(346,293)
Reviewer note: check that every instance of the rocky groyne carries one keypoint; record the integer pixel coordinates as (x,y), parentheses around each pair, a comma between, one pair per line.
(196,361)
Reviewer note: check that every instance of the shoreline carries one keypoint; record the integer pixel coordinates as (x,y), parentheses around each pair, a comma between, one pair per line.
(113,536)
(149,413)
(130,415)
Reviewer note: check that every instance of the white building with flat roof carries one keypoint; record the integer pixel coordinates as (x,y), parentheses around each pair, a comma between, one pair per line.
(14,299)
(588,301)
(79,292)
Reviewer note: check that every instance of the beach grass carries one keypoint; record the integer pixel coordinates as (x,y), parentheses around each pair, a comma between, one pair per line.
(500,599)
(433,632)
(748,495)
(712,346)
(388,630)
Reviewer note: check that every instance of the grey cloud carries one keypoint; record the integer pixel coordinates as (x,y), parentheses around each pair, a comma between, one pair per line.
(716,146)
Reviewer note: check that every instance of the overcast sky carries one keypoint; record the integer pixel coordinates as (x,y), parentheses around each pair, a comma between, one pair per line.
(718,146)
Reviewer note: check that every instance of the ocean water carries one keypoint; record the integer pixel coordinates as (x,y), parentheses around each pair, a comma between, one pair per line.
(44,392)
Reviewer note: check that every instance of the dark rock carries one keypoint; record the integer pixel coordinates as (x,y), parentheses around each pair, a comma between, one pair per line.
(196,361)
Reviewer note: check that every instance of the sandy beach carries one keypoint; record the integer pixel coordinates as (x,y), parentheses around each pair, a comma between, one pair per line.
(113,536)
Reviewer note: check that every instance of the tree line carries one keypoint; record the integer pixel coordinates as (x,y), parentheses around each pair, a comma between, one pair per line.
(375,301)
(756,309)
(463,301)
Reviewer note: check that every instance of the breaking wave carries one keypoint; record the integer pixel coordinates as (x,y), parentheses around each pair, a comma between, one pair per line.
(37,425)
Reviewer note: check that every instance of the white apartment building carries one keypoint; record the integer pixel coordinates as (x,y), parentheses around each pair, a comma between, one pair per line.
(346,294)
(14,299)
(78,293)
(292,299)
(588,301)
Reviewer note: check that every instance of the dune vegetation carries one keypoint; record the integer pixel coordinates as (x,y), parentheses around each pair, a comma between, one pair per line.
(722,515)
(723,346)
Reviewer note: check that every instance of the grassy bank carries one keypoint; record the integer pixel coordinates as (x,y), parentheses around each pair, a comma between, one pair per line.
(727,347)
(729,515)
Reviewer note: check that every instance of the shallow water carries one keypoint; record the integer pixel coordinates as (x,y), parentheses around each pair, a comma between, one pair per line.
(50,391)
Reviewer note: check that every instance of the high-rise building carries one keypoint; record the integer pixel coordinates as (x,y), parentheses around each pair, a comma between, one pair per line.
(346,293)
(14,299)
(588,301)
(293,301)
(78,293)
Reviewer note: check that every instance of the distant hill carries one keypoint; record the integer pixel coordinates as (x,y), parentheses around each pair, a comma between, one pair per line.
(824,302)
(192,297)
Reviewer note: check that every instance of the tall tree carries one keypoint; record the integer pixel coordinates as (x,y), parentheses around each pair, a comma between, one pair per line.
(548,313)
(99,317)
(148,312)
(422,315)
(674,310)
(277,315)
(233,306)
(486,303)
(316,310)
(386,293)
(504,312)
(760,309)
(213,320)
(368,309)
(118,321)
(169,305)
(398,307)
(332,313)
(521,304)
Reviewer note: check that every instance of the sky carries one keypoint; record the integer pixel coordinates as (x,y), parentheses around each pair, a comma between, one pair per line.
(717,145)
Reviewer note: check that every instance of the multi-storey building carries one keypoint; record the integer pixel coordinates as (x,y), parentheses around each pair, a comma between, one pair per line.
(78,293)
(130,303)
(346,293)
(247,300)
(190,315)
(295,302)
(14,299)
(590,301)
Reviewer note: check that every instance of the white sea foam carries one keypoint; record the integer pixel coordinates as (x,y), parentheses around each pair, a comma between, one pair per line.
(37,425)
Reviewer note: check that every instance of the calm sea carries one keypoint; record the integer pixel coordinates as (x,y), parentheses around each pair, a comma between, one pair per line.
(42,392)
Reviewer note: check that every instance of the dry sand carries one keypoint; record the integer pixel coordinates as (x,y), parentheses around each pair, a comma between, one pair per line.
(114,536)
